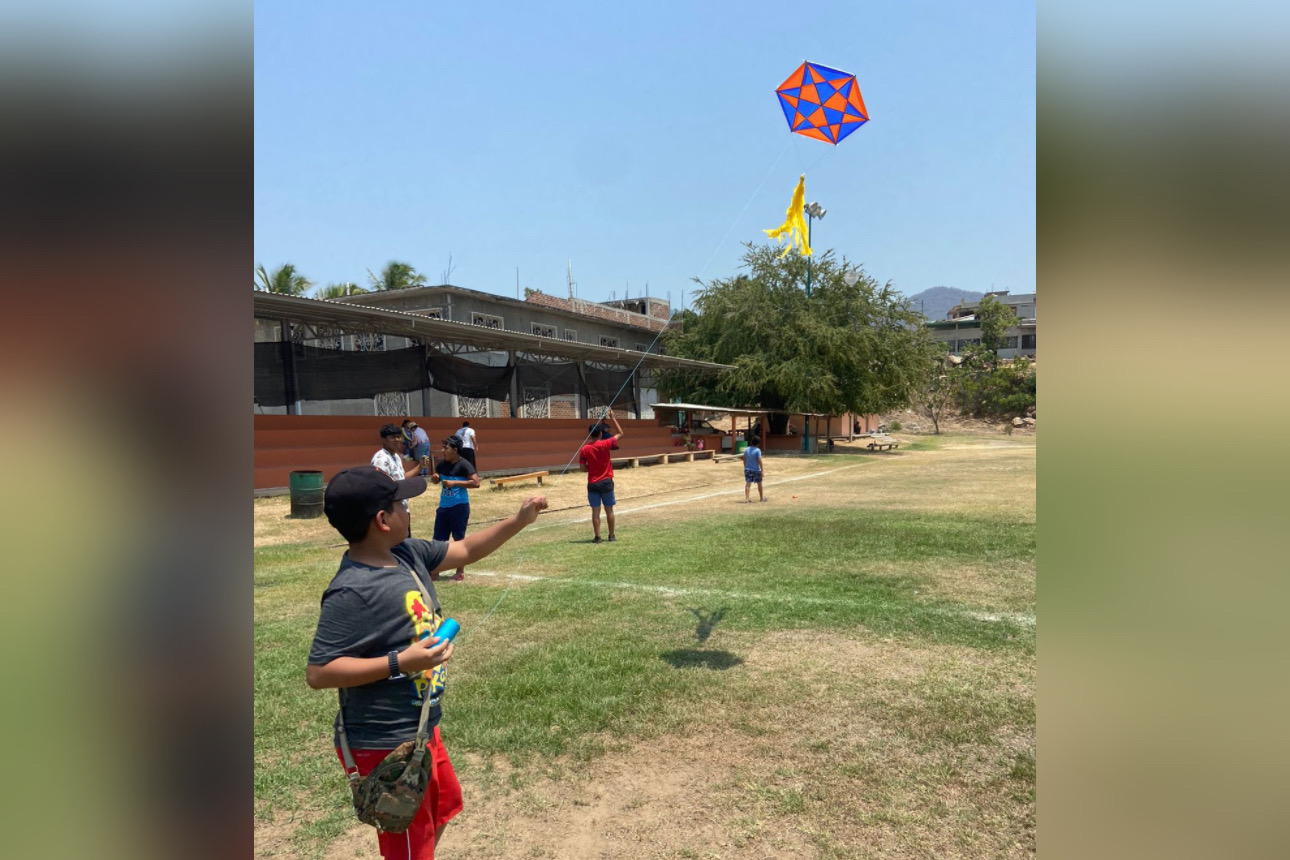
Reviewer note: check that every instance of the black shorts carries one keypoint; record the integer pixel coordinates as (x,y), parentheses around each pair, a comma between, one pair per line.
(451,521)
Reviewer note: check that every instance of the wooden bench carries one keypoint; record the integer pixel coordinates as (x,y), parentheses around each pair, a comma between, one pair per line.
(499,482)
(881,443)
(633,462)
(650,459)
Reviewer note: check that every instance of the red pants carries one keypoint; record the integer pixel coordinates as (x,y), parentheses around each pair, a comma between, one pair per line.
(441,803)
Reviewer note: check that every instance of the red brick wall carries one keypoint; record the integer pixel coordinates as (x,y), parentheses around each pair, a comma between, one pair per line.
(329,443)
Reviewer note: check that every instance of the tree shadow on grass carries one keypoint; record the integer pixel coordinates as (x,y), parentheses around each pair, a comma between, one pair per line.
(693,658)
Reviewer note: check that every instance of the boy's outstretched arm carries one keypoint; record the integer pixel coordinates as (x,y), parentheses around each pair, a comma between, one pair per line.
(481,544)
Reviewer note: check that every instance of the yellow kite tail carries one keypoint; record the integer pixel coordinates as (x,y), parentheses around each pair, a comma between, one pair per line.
(795,223)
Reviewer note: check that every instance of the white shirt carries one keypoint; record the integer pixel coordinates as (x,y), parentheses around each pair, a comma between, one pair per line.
(467,437)
(390,464)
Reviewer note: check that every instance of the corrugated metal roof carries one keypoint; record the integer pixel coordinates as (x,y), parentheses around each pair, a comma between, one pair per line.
(632,319)
(733,410)
(274,306)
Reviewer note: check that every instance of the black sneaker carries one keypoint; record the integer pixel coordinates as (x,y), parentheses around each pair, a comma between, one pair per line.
(612,538)
(596,539)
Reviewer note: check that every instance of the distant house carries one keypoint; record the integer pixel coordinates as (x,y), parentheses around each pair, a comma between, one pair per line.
(961,327)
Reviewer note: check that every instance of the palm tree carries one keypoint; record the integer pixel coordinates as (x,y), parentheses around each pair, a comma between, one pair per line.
(284,279)
(335,291)
(397,275)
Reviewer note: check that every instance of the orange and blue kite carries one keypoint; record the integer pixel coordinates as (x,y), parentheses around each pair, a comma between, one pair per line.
(822,103)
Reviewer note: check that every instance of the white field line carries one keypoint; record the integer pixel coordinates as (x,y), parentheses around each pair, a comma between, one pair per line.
(988,617)
(618,512)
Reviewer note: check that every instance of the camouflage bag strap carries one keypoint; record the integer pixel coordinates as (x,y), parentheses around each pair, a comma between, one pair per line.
(351,769)
(422,735)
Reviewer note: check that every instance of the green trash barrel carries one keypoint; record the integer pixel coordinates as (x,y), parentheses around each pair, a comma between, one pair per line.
(306,494)
(741,446)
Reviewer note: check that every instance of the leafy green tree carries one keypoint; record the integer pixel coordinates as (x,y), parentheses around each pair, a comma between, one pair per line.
(397,275)
(851,347)
(284,279)
(994,389)
(995,319)
(941,388)
(335,291)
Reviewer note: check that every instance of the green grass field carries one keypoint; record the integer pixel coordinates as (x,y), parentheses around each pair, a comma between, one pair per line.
(845,671)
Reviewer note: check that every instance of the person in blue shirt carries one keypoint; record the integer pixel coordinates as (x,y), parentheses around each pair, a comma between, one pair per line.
(752,469)
(420,447)
(454,474)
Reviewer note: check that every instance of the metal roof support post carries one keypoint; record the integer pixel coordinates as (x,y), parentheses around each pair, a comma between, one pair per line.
(425,371)
(289,368)
(515,382)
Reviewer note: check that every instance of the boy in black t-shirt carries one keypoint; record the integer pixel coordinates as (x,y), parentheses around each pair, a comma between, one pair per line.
(454,473)
(375,640)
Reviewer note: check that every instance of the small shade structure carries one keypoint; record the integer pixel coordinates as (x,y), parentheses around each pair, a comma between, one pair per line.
(675,413)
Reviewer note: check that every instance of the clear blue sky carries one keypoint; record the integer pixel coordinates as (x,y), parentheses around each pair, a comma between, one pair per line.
(629,138)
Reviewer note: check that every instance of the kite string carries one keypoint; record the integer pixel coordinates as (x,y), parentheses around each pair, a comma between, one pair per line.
(816,163)
(612,401)
(752,197)
(631,374)
(520,559)
(733,224)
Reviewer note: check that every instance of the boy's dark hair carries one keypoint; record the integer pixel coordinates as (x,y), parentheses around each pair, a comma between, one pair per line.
(391,430)
(454,442)
(599,430)
(465,424)
(756,440)
(353,528)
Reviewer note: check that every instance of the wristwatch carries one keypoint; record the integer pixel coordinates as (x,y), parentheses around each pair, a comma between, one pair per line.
(395,674)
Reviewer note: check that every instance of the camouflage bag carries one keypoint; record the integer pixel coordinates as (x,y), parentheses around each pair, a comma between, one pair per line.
(388,798)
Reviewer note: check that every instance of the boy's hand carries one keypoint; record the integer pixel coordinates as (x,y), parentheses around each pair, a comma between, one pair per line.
(528,513)
(434,479)
(425,654)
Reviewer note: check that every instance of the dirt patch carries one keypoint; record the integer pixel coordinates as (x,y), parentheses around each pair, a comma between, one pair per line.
(859,782)
(273,838)
(761,788)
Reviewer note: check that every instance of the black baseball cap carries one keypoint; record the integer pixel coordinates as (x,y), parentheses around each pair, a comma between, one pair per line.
(355,495)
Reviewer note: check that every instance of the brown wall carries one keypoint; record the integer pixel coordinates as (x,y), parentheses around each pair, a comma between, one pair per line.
(329,443)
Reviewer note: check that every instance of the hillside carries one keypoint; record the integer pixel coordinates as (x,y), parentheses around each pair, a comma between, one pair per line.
(936,302)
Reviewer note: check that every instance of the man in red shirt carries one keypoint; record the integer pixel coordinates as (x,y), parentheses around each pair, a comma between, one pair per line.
(594,459)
